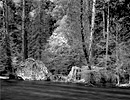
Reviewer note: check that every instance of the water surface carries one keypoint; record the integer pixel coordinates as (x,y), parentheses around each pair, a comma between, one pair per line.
(42,90)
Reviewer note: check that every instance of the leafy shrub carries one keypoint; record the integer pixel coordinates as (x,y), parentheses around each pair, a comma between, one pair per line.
(108,76)
(63,60)
(97,75)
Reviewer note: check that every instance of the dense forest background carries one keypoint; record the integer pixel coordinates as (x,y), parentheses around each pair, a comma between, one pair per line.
(66,33)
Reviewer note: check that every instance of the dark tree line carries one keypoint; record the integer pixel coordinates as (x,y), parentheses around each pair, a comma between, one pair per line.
(22,34)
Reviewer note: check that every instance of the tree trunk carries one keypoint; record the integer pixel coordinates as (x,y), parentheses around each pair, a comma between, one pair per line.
(129,78)
(24,34)
(40,40)
(7,38)
(82,32)
(117,48)
(92,31)
(103,13)
(118,80)
(107,41)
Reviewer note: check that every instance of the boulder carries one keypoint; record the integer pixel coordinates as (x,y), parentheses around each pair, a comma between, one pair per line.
(32,70)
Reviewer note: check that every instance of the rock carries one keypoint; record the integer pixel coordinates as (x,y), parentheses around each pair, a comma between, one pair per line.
(33,70)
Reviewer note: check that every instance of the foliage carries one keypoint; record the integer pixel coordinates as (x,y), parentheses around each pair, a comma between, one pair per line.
(15,24)
(3,56)
(39,29)
(101,76)
(118,31)
(65,44)
(64,59)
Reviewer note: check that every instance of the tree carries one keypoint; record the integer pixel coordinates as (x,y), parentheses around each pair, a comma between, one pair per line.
(82,30)
(107,41)
(92,31)
(14,33)
(7,38)
(40,28)
(103,16)
(74,26)
(2,49)
(24,33)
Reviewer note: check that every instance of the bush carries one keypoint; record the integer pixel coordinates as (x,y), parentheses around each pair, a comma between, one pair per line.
(63,60)
(97,76)
(108,76)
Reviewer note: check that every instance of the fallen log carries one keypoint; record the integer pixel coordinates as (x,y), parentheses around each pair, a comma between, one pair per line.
(4,77)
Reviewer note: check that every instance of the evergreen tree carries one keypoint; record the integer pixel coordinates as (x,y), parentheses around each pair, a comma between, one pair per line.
(40,29)
(7,38)
(72,33)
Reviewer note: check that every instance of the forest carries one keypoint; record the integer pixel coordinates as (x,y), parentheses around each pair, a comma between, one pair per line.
(66,40)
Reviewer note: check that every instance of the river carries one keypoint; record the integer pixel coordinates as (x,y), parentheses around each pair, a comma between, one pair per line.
(43,90)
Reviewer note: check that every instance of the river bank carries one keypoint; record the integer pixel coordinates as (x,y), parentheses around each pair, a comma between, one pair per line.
(100,85)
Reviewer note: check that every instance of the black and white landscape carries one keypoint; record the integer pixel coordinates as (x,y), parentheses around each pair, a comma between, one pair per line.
(64,49)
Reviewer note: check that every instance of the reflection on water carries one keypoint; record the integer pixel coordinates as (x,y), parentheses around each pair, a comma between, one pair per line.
(41,90)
